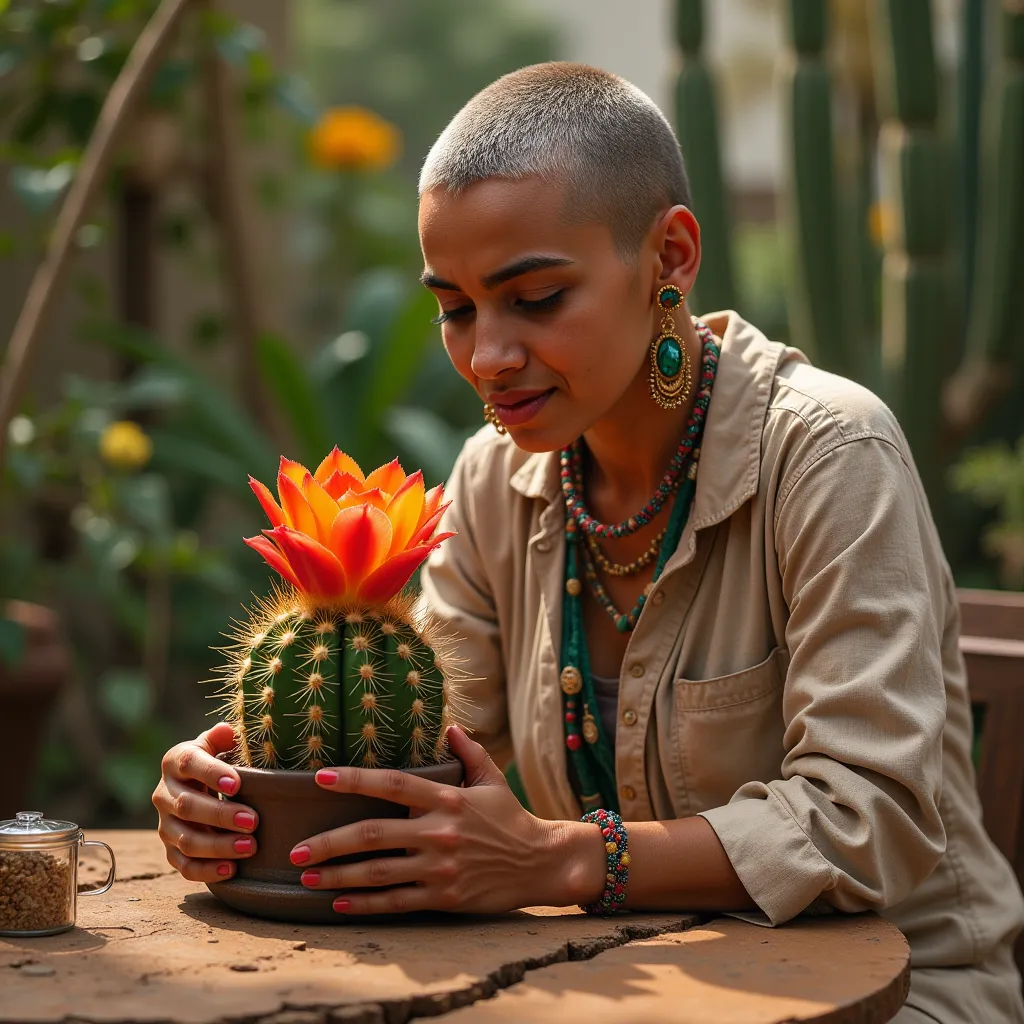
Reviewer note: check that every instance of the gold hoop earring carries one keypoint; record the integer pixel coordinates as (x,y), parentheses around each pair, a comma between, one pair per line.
(490,416)
(671,376)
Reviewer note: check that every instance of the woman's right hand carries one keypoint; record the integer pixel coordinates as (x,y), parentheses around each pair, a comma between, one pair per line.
(203,836)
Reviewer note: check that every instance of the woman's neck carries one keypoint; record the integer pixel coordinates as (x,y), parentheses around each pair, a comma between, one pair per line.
(631,448)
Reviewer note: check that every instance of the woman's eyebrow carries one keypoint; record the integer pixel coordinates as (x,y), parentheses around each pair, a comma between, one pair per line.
(524,265)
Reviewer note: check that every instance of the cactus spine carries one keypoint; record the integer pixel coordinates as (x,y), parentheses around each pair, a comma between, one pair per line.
(697,125)
(306,687)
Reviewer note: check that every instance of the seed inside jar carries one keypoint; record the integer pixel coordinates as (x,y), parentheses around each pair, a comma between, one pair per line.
(35,891)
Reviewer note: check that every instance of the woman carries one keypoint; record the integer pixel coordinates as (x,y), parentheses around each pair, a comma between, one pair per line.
(755,665)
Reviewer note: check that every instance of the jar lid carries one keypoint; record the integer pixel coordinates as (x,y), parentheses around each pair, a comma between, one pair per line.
(32,827)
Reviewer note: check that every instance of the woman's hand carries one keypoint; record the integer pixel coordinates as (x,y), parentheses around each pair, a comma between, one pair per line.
(192,821)
(473,849)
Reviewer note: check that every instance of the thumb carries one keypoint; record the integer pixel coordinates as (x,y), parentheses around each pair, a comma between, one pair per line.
(480,769)
(217,739)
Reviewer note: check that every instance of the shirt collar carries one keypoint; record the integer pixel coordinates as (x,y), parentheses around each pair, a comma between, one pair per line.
(731,450)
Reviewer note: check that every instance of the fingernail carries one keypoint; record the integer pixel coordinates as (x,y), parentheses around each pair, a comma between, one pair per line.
(300,854)
(310,878)
(326,777)
(226,784)
(342,905)
(243,845)
(243,819)
(223,869)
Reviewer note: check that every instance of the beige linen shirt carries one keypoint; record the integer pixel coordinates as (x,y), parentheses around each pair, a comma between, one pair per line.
(794,676)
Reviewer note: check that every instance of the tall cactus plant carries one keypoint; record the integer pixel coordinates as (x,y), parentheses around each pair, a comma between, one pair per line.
(696,120)
(337,667)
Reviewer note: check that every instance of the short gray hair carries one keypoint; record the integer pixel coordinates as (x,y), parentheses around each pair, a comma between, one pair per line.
(595,132)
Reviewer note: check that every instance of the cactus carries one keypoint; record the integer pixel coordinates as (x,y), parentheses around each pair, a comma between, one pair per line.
(337,666)
(697,125)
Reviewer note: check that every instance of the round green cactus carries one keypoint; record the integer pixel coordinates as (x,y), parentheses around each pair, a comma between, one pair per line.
(365,685)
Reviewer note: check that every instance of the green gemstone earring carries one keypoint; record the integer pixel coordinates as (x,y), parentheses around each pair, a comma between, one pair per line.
(671,378)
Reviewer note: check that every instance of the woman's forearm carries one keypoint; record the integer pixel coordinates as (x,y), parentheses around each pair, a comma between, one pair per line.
(674,865)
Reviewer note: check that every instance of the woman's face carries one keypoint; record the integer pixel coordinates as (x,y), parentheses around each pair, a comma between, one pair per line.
(541,316)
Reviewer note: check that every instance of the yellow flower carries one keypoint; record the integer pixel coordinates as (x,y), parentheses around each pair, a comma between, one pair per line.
(124,445)
(354,138)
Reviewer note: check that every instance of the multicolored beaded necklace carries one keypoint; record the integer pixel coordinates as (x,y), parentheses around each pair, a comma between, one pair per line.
(590,751)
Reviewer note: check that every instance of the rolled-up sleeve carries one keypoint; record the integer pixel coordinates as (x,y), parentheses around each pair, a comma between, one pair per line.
(456,591)
(854,818)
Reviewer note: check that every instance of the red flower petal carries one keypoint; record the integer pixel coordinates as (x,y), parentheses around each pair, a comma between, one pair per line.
(388,477)
(422,535)
(338,483)
(337,462)
(274,511)
(360,538)
(296,508)
(273,557)
(322,505)
(432,502)
(293,470)
(404,511)
(388,580)
(317,571)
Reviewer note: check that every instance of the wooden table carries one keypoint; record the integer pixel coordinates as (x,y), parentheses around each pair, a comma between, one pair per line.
(157,948)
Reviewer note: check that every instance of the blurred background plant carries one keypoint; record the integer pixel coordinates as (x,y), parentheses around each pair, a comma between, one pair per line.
(246,285)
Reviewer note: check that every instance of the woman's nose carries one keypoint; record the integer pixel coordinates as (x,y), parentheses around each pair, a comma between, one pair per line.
(495,351)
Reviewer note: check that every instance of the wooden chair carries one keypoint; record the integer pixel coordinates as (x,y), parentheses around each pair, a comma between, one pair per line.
(992,642)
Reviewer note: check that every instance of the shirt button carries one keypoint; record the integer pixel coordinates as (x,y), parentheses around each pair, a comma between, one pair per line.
(627,792)
(629,717)
(637,670)
(659,597)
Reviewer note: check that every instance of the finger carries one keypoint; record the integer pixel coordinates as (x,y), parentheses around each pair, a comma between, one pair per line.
(369,834)
(200,870)
(480,769)
(367,873)
(185,802)
(400,900)
(196,760)
(198,844)
(386,784)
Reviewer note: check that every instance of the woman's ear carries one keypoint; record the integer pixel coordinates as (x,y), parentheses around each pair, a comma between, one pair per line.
(678,239)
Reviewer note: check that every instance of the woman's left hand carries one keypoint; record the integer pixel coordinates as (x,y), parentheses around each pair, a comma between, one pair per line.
(471,849)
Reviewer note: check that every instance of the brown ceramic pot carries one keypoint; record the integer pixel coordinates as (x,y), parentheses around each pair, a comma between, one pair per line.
(28,693)
(292,807)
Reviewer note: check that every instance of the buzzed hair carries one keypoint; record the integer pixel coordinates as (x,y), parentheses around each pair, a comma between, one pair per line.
(594,132)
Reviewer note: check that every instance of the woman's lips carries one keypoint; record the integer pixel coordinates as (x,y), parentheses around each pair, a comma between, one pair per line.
(515,413)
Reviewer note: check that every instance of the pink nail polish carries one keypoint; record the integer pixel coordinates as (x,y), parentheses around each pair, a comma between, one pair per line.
(226,784)
(342,905)
(310,878)
(223,869)
(243,845)
(300,855)
(243,819)
(326,777)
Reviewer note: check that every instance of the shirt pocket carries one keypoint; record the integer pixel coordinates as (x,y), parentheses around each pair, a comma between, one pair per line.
(729,730)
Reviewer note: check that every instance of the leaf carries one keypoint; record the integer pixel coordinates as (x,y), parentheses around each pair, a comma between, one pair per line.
(124,696)
(295,94)
(131,779)
(12,642)
(193,457)
(285,378)
(147,502)
(431,443)
(39,188)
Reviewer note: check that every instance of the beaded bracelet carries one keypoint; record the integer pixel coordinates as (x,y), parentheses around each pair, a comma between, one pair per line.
(617,874)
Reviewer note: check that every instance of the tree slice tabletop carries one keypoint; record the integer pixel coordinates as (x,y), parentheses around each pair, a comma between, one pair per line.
(158,948)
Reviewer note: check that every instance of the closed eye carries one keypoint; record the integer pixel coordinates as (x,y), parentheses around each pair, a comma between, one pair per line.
(452,314)
(549,302)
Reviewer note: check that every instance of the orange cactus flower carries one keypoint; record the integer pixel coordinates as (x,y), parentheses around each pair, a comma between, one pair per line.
(341,537)
(352,138)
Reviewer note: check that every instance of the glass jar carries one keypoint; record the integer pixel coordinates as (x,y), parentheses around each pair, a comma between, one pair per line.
(39,874)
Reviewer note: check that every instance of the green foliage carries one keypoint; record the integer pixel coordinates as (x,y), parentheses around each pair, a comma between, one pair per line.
(994,477)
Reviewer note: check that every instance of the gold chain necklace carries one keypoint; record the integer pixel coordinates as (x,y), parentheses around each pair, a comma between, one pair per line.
(630,569)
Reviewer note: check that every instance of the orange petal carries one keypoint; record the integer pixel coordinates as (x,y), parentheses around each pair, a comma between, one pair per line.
(337,462)
(273,557)
(297,512)
(375,497)
(361,538)
(323,506)
(404,511)
(388,478)
(389,579)
(293,470)
(422,535)
(274,511)
(316,570)
(431,502)
(338,483)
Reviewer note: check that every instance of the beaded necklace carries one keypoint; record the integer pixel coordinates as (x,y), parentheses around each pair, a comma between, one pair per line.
(590,751)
